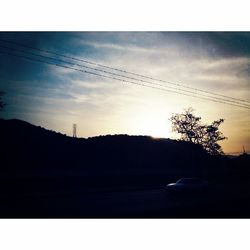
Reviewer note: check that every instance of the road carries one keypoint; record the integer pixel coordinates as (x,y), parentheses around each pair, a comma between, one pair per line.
(125,203)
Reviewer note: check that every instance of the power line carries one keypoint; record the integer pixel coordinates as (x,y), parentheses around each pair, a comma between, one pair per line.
(103,71)
(122,80)
(131,78)
(124,71)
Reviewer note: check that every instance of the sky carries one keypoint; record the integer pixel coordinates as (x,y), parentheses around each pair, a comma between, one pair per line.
(55,97)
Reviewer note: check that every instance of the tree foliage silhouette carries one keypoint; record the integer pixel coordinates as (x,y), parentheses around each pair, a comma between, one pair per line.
(192,130)
(2,104)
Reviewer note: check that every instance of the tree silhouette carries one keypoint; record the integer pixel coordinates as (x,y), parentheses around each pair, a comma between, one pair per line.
(2,104)
(192,130)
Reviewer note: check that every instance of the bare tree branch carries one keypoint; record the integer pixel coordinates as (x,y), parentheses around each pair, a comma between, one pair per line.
(190,128)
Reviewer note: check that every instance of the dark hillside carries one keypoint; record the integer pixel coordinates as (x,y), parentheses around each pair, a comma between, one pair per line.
(26,147)
(39,159)
(48,174)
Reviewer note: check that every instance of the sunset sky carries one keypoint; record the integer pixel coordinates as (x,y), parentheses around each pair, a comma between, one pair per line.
(55,97)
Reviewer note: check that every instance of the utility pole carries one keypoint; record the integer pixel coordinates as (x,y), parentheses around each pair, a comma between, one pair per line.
(74,130)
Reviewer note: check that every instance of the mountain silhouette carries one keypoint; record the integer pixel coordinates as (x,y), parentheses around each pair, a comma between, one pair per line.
(38,163)
(33,148)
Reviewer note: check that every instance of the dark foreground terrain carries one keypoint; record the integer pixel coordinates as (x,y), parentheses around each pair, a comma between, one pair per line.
(125,203)
(45,174)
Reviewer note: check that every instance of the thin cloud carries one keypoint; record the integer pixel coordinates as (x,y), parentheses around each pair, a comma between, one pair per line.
(208,61)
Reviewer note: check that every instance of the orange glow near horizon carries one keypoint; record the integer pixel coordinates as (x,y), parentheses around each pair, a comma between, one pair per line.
(57,97)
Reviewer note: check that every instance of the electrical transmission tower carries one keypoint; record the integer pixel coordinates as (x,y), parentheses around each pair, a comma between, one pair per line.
(244,151)
(74,130)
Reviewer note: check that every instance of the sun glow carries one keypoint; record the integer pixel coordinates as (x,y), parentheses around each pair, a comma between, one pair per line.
(150,120)
(153,125)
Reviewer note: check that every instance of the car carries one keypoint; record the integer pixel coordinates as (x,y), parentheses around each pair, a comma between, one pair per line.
(187,186)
